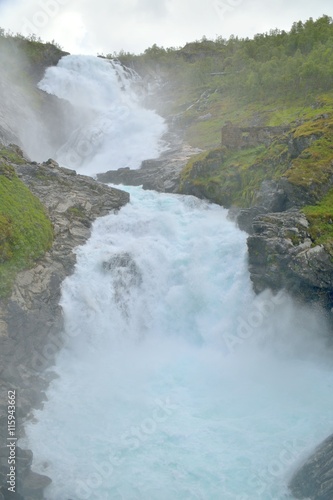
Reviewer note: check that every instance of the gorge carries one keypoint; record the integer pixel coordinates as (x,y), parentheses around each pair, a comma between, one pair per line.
(189,383)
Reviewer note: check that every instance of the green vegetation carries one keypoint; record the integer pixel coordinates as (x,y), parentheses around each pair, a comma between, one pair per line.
(25,230)
(9,155)
(313,167)
(275,79)
(278,78)
(320,217)
(76,212)
(25,58)
(237,175)
(270,78)
(303,156)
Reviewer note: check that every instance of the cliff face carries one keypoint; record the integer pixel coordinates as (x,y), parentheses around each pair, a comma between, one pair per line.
(45,213)
(282,255)
(30,317)
(29,117)
(277,181)
(314,480)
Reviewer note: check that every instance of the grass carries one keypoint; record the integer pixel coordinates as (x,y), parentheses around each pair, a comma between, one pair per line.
(240,174)
(236,178)
(320,217)
(206,134)
(313,167)
(10,155)
(26,232)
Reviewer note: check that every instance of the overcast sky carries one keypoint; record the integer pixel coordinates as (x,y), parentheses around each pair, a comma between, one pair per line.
(105,26)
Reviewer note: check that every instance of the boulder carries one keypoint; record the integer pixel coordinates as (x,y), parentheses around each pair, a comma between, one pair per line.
(314,479)
(162,174)
(281,255)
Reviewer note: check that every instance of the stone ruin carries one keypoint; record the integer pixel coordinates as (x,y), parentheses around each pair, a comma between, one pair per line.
(234,137)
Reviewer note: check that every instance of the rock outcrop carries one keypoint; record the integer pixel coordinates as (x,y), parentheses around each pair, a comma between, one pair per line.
(234,137)
(31,318)
(314,479)
(281,255)
(29,117)
(162,174)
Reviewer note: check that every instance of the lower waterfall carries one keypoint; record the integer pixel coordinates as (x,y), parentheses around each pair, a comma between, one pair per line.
(176,382)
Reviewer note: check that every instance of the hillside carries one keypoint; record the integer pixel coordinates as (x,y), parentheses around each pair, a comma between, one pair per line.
(26,231)
(260,110)
(271,98)
(45,212)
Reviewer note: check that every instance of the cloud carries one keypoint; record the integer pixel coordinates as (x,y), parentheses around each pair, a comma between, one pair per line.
(152,9)
(83,26)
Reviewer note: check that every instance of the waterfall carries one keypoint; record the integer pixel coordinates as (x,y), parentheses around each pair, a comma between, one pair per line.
(110,129)
(175,381)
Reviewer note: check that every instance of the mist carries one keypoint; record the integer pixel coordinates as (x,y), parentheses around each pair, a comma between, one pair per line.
(36,122)
(109,127)
(189,383)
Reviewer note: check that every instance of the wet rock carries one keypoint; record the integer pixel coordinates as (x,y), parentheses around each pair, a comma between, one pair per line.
(273,197)
(296,145)
(123,263)
(126,276)
(314,479)
(31,321)
(162,174)
(7,495)
(281,255)
(34,484)
(245,217)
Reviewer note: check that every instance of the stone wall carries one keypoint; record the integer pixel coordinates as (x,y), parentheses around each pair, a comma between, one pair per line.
(236,138)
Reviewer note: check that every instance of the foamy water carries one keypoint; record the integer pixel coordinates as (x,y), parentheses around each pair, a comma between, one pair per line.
(110,129)
(176,382)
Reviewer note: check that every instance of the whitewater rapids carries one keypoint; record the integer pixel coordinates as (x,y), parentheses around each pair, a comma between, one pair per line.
(176,382)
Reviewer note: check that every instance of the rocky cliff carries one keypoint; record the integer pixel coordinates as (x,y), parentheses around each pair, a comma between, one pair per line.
(275,177)
(161,174)
(282,255)
(25,111)
(314,480)
(280,191)
(30,317)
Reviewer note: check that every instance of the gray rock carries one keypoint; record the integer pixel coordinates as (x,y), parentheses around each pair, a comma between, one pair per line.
(272,196)
(124,269)
(246,216)
(281,255)
(297,144)
(6,495)
(126,275)
(162,174)
(34,484)
(314,479)
(31,321)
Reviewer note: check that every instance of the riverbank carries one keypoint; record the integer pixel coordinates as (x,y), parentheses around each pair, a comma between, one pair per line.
(31,319)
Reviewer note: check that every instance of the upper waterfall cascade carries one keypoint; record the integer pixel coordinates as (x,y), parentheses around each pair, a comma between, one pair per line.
(110,129)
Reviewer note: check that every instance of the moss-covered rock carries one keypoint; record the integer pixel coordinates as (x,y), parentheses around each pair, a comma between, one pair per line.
(299,162)
(282,254)
(26,231)
(320,217)
(313,479)
(34,55)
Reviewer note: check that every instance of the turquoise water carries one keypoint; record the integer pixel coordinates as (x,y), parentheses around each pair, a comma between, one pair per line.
(176,382)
